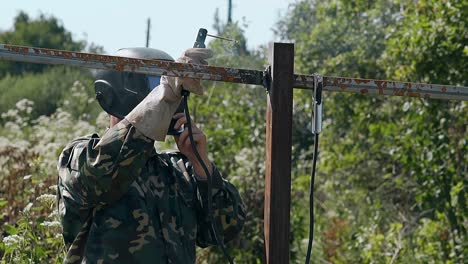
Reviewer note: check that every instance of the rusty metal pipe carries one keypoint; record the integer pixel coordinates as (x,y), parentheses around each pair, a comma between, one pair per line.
(382,87)
(107,62)
(213,73)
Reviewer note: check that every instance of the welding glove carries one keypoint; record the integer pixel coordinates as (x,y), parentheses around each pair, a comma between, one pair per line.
(153,115)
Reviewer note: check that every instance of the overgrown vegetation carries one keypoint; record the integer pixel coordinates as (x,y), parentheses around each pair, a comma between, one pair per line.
(392,172)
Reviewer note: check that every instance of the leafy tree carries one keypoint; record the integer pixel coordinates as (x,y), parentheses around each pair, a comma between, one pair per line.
(433,34)
(45,85)
(350,34)
(429,44)
(231,30)
(389,167)
(44,32)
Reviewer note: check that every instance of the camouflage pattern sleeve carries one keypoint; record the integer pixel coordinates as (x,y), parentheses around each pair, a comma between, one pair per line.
(228,210)
(103,169)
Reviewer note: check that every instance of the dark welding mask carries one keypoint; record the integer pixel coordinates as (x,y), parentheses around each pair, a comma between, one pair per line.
(119,92)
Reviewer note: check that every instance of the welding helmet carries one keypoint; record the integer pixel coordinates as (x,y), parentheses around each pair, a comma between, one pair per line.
(119,92)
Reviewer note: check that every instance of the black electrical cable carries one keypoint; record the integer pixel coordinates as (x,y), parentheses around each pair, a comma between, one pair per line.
(311,201)
(185,95)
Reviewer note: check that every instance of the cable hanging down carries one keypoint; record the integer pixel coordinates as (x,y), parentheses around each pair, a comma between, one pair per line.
(311,201)
(220,243)
(316,129)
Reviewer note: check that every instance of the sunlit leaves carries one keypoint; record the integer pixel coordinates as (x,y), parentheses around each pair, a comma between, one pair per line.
(386,161)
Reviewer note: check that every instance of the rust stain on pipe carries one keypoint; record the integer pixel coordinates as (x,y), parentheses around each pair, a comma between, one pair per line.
(381,85)
(412,94)
(361,81)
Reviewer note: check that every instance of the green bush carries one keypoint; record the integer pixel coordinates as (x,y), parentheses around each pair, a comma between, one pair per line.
(47,90)
(29,150)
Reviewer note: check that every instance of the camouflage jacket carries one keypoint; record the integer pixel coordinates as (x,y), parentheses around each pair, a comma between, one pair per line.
(121,202)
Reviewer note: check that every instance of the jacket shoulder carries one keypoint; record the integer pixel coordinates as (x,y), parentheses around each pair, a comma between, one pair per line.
(66,155)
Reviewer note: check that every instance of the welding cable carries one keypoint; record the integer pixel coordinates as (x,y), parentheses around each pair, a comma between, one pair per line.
(311,200)
(220,243)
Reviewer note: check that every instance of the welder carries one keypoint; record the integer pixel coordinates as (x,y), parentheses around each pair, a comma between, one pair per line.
(122,201)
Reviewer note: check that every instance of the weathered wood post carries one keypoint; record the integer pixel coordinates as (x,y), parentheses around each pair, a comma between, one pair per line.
(278,153)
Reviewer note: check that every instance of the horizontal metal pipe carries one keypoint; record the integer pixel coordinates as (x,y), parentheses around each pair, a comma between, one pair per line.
(106,62)
(213,73)
(382,87)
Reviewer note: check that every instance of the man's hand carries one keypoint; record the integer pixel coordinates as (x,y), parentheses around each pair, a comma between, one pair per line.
(152,116)
(192,56)
(185,146)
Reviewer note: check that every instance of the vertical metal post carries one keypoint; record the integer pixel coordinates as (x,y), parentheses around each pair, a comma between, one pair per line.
(229,20)
(278,153)
(148,27)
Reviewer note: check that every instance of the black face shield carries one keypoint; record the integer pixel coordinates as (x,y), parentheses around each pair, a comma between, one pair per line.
(119,92)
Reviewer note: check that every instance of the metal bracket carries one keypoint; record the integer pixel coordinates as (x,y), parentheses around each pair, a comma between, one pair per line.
(317,103)
(266,80)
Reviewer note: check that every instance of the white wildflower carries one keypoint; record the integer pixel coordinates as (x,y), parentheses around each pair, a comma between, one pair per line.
(23,104)
(13,240)
(13,127)
(53,188)
(77,84)
(27,208)
(54,213)
(51,224)
(47,198)
(11,113)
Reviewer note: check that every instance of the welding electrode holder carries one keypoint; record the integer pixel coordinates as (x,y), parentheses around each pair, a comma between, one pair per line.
(201,36)
(199,43)
(317,103)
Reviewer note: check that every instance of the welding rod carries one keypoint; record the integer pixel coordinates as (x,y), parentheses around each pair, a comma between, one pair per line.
(218,37)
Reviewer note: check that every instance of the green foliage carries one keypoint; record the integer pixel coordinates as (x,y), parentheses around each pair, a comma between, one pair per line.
(28,154)
(347,34)
(23,81)
(43,32)
(390,169)
(46,90)
(429,44)
(34,240)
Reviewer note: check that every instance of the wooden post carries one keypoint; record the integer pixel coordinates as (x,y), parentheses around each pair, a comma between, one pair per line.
(278,153)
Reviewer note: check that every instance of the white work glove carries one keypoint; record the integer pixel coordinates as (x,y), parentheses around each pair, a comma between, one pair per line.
(153,115)
(192,56)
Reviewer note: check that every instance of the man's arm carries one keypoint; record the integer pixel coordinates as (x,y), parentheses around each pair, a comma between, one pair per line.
(228,210)
(100,171)
(227,207)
